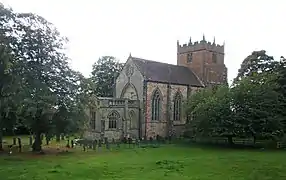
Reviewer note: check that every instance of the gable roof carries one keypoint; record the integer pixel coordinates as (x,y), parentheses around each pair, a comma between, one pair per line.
(166,73)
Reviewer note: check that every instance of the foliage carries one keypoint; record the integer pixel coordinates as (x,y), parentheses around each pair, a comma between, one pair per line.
(104,72)
(255,63)
(38,88)
(253,107)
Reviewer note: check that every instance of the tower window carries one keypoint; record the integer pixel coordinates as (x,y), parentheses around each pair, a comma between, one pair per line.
(189,57)
(214,58)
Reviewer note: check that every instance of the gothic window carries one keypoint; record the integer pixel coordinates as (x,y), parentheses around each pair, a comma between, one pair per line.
(133,120)
(189,57)
(214,58)
(177,107)
(113,118)
(156,104)
(92,119)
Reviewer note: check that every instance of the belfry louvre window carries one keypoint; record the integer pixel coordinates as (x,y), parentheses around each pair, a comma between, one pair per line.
(156,105)
(190,57)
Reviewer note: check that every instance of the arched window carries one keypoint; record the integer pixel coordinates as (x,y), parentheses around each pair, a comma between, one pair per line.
(113,118)
(133,120)
(177,107)
(156,105)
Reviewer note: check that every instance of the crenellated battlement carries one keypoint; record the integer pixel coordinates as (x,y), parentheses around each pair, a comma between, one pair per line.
(200,45)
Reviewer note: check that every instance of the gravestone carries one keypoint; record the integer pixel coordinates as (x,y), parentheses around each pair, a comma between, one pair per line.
(151,141)
(20,144)
(14,141)
(68,144)
(99,144)
(94,143)
(137,142)
(118,144)
(90,144)
(107,143)
(84,145)
(10,149)
(72,144)
(30,140)
(129,141)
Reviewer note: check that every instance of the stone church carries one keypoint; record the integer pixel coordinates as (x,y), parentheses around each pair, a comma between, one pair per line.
(149,95)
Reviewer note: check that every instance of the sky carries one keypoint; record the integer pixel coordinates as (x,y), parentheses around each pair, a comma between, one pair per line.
(150,28)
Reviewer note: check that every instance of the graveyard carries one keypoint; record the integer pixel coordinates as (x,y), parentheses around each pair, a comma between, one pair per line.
(140,160)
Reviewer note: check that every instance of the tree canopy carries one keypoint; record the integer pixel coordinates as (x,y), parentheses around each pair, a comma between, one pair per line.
(254,107)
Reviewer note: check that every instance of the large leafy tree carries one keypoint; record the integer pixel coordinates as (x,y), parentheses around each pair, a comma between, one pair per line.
(255,63)
(46,79)
(9,73)
(211,113)
(104,72)
(257,106)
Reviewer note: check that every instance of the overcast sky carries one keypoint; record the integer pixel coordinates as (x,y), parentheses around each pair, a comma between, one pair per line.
(150,28)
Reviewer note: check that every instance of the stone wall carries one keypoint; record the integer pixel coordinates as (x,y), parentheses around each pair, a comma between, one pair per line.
(123,108)
(136,79)
(156,127)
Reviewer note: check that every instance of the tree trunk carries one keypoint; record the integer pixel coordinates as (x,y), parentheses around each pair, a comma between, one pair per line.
(1,140)
(37,145)
(58,137)
(230,140)
(254,140)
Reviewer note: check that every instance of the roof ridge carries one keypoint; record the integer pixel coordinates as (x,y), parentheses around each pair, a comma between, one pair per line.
(141,59)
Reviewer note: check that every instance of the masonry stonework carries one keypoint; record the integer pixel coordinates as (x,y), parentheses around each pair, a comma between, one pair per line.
(199,65)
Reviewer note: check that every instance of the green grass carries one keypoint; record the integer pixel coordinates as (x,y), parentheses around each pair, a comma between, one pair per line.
(166,162)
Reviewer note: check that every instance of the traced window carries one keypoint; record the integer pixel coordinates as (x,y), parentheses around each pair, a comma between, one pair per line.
(177,107)
(214,58)
(156,104)
(133,120)
(189,57)
(92,119)
(113,118)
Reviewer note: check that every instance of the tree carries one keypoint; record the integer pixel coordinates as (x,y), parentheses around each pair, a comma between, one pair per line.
(255,63)
(211,113)
(39,47)
(104,72)
(257,106)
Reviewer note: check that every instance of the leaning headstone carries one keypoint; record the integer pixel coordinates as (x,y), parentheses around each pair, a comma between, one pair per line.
(20,144)
(72,144)
(14,141)
(30,140)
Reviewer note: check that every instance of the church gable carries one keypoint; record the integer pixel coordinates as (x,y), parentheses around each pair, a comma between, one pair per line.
(129,83)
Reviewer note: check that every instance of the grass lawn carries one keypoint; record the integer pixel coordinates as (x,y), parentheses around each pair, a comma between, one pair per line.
(168,162)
